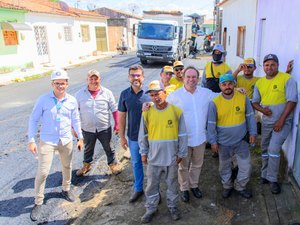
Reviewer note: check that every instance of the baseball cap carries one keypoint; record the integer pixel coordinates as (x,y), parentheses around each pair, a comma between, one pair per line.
(167,69)
(250,62)
(154,86)
(271,57)
(219,47)
(177,63)
(226,77)
(59,74)
(93,73)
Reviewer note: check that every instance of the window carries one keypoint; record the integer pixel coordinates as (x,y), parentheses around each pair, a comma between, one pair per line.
(240,50)
(10,37)
(68,33)
(85,32)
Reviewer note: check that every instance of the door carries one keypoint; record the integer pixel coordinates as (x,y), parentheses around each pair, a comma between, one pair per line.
(101,40)
(40,33)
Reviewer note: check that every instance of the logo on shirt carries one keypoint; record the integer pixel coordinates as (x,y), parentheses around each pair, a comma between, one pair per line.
(237,108)
(274,86)
(170,124)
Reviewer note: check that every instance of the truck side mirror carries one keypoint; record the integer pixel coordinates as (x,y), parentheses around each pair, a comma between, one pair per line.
(133,29)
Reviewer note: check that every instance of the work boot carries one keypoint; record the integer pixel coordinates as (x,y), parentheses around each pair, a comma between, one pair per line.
(196,192)
(227,192)
(115,168)
(245,194)
(83,170)
(36,212)
(275,188)
(135,196)
(263,181)
(69,196)
(148,216)
(185,196)
(175,215)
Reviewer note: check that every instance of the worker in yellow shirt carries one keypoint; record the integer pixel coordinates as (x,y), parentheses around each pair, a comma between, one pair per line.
(177,80)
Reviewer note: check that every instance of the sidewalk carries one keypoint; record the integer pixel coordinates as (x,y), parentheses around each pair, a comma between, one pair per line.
(110,205)
(21,75)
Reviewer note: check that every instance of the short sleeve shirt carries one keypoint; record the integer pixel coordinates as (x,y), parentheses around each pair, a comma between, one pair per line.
(131,103)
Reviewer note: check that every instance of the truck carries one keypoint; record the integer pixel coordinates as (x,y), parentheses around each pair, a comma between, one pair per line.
(162,36)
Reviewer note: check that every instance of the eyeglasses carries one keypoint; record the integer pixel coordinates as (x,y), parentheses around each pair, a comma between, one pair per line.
(59,84)
(178,69)
(136,75)
(169,73)
(250,67)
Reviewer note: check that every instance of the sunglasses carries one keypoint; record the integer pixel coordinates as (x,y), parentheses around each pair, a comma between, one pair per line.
(136,75)
(178,69)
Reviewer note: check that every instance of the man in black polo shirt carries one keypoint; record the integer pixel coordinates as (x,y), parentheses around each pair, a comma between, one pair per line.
(130,105)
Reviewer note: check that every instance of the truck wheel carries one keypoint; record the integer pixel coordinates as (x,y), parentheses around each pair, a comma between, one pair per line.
(144,61)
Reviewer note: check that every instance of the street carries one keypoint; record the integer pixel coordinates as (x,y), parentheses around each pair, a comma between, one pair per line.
(18,165)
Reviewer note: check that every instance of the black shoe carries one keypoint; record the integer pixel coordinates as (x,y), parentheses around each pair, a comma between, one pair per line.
(36,212)
(175,215)
(263,181)
(147,217)
(215,155)
(135,196)
(275,188)
(185,196)
(227,192)
(196,192)
(245,194)
(69,196)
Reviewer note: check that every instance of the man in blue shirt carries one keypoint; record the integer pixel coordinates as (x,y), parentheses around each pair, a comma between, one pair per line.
(58,113)
(130,106)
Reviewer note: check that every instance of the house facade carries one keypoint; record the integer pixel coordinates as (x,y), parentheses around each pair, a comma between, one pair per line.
(259,28)
(120,26)
(57,34)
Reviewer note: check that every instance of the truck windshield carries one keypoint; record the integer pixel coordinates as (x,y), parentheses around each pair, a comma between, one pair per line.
(156,31)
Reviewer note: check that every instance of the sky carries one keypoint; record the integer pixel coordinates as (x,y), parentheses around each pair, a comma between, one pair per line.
(202,7)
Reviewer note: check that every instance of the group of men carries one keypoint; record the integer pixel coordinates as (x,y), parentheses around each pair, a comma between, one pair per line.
(170,135)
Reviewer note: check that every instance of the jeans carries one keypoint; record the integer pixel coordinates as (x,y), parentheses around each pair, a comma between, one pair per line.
(137,165)
(90,139)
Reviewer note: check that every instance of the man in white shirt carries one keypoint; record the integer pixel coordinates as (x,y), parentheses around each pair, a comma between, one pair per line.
(194,101)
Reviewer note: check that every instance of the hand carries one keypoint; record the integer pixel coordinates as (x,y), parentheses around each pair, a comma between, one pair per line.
(289,67)
(178,159)
(266,111)
(74,133)
(144,159)
(252,139)
(146,106)
(242,67)
(79,144)
(214,148)
(241,90)
(278,125)
(116,129)
(32,147)
(124,143)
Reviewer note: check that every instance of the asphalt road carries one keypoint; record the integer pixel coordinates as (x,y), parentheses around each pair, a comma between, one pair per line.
(18,166)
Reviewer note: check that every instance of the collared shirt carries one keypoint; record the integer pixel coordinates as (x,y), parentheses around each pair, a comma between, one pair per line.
(131,103)
(57,119)
(195,108)
(95,113)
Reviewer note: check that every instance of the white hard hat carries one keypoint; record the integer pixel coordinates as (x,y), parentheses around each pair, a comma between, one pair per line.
(59,74)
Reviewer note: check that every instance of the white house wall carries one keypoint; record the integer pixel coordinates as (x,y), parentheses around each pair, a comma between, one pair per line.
(239,13)
(282,34)
(62,52)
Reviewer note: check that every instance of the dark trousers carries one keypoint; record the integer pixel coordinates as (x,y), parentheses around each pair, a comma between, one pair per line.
(90,141)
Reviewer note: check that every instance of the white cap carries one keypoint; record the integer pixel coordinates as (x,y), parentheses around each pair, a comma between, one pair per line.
(59,75)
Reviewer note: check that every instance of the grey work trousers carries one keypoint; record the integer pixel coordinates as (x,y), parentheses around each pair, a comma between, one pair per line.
(154,174)
(241,151)
(271,143)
